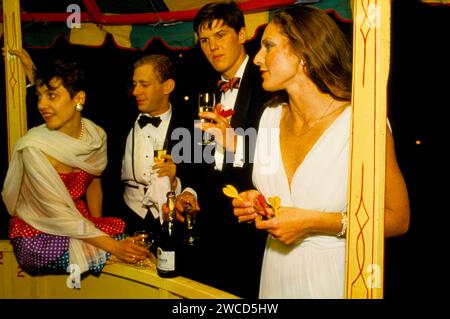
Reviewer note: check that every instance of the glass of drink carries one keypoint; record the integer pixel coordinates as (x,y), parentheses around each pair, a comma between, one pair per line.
(159,150)
(144,239)
(206,103)
(189,216)
(158,155)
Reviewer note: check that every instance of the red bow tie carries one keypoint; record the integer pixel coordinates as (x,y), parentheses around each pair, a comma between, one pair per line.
(224,86)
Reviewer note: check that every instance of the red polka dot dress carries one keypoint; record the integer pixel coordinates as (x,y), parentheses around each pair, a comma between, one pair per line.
(40,252)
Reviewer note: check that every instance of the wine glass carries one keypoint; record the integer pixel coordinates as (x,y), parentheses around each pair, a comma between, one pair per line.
(206,103)
(189,216)
(144,239)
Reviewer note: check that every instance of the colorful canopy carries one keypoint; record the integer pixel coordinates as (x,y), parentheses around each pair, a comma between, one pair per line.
(134,23)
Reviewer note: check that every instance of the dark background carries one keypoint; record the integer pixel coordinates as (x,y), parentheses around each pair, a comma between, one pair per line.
(417,109)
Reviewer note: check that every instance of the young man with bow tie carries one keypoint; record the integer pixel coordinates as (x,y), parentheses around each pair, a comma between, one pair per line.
(224,244)
(146,181)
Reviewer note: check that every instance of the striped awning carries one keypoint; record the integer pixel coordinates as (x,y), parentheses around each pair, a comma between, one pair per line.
(135,23)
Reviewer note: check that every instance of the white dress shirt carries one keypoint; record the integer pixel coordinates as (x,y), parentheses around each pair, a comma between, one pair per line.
(228,101)
(144,190)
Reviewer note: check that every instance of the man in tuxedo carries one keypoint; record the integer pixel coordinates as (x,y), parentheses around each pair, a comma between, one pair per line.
(146,179)
(228,253)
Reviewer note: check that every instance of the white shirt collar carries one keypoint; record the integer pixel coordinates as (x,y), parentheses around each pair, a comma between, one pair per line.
(240,71)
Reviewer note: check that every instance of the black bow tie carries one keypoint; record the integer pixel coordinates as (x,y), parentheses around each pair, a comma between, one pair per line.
(224,86)
(144,120)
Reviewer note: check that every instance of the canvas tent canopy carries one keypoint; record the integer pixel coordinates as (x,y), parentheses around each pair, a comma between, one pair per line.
(135,23)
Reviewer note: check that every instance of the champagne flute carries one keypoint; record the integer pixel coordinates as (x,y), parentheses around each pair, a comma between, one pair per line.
(144,239)
(206,103)
(189,216)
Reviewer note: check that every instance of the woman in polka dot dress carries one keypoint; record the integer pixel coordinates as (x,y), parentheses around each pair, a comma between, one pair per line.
(52,188)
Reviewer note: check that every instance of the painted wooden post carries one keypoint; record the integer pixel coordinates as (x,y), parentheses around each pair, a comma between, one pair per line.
(14,74)
(365,234)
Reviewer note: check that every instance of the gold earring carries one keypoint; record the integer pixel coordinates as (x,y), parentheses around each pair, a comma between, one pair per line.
(302,62)
(79,107)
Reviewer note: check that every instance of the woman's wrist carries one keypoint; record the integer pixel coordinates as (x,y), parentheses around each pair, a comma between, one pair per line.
(314,222)
(30,74)
(113,246)
(104,242)
(330,223)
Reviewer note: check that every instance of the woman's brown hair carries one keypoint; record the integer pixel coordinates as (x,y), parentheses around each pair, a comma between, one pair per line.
(323,47)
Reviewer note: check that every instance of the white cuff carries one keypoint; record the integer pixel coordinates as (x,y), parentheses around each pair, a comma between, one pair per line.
(239,154)
(178,188)
(218,157)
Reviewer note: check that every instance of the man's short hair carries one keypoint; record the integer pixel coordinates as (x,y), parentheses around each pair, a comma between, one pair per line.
(162,65)
(228,12)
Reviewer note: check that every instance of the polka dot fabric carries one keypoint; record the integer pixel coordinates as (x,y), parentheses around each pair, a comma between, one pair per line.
(40,252)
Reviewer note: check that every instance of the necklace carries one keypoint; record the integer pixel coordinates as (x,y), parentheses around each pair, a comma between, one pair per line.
(82,130)
(315,122)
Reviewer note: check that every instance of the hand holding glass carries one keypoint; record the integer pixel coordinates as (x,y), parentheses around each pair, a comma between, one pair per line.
(206,103)
(144,239)
(158,152)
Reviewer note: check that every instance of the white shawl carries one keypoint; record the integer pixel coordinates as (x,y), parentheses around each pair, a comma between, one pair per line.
(34,192)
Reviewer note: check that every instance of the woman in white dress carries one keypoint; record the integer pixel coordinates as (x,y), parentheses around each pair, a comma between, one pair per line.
(302,156)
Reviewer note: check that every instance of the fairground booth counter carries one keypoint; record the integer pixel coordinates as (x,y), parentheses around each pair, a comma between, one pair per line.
(112,34)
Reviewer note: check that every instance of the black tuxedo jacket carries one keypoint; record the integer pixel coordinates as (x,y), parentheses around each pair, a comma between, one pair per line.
(229,253)
(182,117)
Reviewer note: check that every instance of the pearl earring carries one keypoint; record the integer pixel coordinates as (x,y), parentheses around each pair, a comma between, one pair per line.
(302,62)
(79,107)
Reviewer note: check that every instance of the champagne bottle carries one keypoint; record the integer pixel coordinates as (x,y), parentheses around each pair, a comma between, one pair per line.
(167,249)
